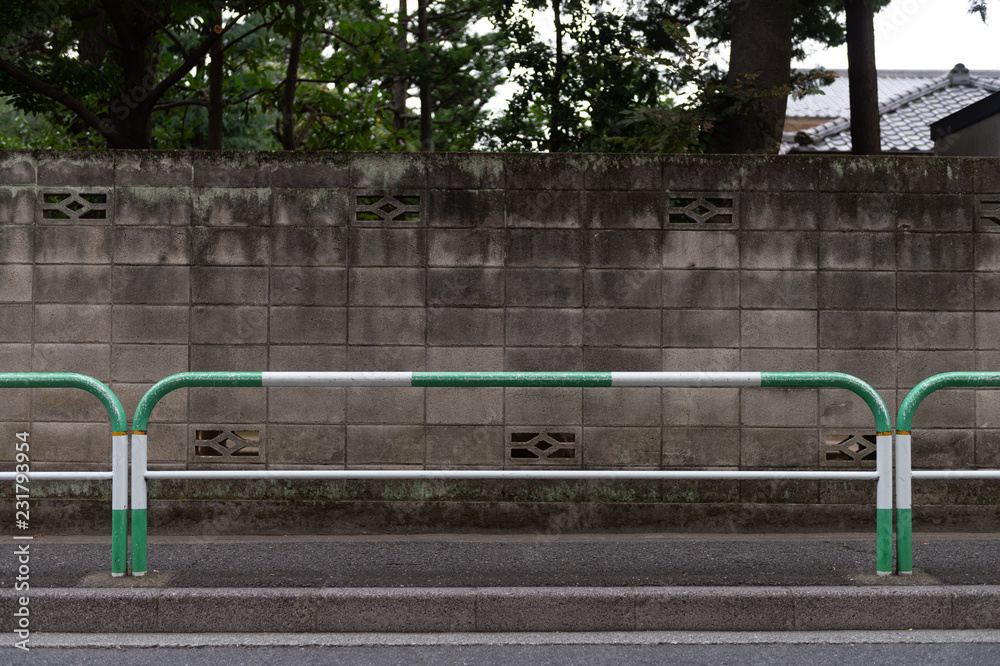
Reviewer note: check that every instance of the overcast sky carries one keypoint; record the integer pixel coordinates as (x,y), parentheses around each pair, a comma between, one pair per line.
(926,34)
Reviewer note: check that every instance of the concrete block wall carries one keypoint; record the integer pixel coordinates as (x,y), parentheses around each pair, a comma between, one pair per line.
(133,266)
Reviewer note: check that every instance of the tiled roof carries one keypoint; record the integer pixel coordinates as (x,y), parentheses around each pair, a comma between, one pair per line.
(908,103)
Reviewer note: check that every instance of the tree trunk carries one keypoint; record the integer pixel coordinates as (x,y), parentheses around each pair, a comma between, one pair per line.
(288,93)
(399,83)
(866,134)
(759,63)
(556,135)
(426,112)
(215,75)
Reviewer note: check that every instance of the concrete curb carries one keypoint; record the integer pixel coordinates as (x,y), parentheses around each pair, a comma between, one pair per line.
(506,609)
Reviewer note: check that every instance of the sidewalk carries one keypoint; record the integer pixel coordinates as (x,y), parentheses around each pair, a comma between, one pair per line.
(509,583)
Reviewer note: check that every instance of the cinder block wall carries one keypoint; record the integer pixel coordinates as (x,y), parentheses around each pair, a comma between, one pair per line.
(133,266)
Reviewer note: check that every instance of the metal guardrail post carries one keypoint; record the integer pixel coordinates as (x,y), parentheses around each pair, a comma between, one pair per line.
(882,474)
(119,451)
(904,466)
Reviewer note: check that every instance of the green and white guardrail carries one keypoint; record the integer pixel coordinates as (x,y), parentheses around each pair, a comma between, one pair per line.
(904,468)
(882,474)
(119,451)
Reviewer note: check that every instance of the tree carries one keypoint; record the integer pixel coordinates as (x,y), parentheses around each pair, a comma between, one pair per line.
(866,134)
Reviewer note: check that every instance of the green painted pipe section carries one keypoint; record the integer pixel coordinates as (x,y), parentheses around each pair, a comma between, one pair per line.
(833,380)
(904,419)
(140,421)
(119,541)
(139,565)
(70,380)
(511,379)
(904,540)
(883,541)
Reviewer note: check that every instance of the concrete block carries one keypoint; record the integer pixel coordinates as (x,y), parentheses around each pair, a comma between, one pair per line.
(230,247)
(621,448)
(701,447)
(974,608)
(539,609)
(241,406)
(701,407)
(311,207)
(449,447)
(625,359)
(387,326)
(16,284)
(778,328)
(937,176)
(543,406)
(936,330)
(779,492)
(857,329)
(308,286)
(388,171)
(316,444)
(75,610)
(936,212)
(316,170)
(153,206)
(466,171)
(779,250)
(701,249)
(777,173)
(221,358)
(246,324)
(465,406)
(701,360)
(546,209)
(953,408)
(935,448)
(186,610)
(847,290)
(17,204)
(987,247)
(150,168)
(987,408)
(381,609)
(73,245)
(987,291)
(18,167)
(465,326)
(855,212)
(621,406)
(623,249)
(308,246)
(388,247)
(778,289)
(621,328)
(387,286)
(544,287)
(779,447)
(987,336)
(935,291)
(842,408)
(74,168)
(465,247)
(15,406)
(298,404)
(712,609)
(239,285)
(779,210)
(543,327)
(935,252)
(465,208)
(543,359)
(868,174)
(385,445)
(71,442)
(701,328)
(465,359)
(877,367)
(915,366)
(87,359)
(777,360)
(231,169)
(141,245)
(147,363)
(700,288)
(15,357)
(987,448)
(304,325)
(17,245)
(534,171)
(387,358)
(720,173)
(545,247)
(306,358)
(66,283)
(385,405)
(623,172)
(625,210)
(465,286)
(66,405)
(795,407)
(627,288)
(150,323)
(72,323)
(171,408)
(167,444)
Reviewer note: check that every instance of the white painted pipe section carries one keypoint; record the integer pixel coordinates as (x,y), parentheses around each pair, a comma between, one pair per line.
(139,472)
(956,474)
(509,474)
(337,378)
(686,379)
(119,470)
(883,454)
(59,476)
(904,488)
